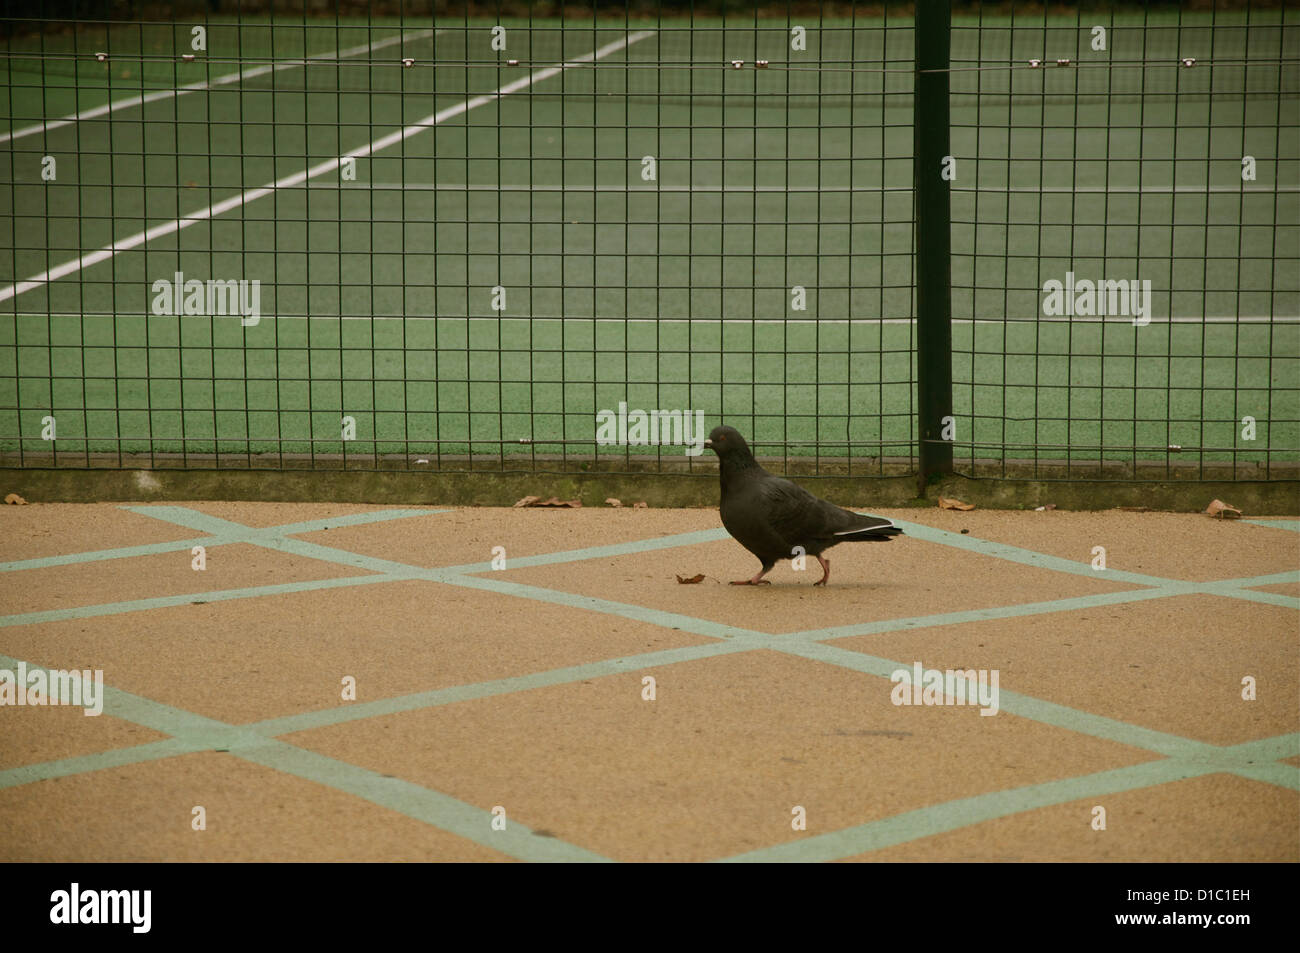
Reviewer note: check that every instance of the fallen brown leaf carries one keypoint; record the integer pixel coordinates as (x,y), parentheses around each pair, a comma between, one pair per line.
(613,502)
(947,504)
(691,581)
(1222,511)
(555,501)
(527,501)
(15,499)
(640,505)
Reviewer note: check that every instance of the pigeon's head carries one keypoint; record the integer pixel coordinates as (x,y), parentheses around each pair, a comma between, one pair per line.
(728,444)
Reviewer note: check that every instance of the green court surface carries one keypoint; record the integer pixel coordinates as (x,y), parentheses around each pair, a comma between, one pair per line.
(377,292)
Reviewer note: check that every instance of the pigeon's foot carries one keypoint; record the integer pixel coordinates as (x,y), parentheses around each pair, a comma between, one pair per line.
(826,571)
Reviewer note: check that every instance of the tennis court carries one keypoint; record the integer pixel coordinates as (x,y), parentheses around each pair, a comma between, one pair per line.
(515,179)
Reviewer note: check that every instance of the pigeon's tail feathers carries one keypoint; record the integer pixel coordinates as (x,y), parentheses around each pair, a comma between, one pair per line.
(879,530)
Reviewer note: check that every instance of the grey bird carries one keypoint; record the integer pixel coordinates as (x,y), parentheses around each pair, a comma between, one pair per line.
(770,516)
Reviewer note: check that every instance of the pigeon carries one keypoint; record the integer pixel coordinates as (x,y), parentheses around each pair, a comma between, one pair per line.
(770,516)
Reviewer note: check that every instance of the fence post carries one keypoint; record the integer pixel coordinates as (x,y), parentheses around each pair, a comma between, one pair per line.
(933,239)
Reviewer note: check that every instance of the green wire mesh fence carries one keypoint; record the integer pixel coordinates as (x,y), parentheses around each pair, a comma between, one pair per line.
(1126,257)
(540,238)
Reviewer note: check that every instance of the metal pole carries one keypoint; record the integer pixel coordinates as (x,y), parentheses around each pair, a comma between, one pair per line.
(933,240)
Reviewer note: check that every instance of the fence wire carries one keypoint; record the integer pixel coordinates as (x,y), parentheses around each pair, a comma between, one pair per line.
(460,241)
(1159,155)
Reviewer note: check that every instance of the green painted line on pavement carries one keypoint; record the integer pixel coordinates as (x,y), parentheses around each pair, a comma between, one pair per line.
(1250,595)
(194,519)
(1283,775)
(883,626)
(1013,703)
(221,537)
(1293,525)
(670,620)
(420,803)
(254,743)
(352,519)
(1270,749)
(599,552)
(99,761)
(1268,579)
(164,602)
(194,733)
(357,711)
(1027,557)
(953,815)
(125,552)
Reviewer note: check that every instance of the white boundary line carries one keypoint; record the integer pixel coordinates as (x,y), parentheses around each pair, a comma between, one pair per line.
(1046,190)
(1119,321)
(329,165)
(1126,189)
(510,187)
(206,84)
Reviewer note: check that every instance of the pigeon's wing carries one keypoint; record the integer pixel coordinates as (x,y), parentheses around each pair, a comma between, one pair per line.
(799,517)
(795,514)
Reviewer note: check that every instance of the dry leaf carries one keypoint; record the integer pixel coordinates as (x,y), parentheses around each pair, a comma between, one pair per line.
(640,505)
(553,501)
(613,502)
(691,581)
(947,504)
(1222,511)
(15,499)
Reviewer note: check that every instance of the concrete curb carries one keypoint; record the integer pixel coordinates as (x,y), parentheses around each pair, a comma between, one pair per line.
(494,488)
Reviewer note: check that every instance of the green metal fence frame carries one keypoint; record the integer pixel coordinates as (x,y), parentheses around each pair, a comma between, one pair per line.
(933,242)
(933,459)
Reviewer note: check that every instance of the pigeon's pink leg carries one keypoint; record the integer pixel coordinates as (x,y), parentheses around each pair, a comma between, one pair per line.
(758,580)
(826,570)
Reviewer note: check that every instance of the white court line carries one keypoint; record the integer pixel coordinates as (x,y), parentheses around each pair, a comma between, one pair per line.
(1126,189)
(1289,319)
(471,187)
(513,187)
(1245,319)
(329,165)
(154,97)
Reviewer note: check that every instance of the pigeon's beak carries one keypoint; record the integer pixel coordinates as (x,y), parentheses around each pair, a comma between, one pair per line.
(708,445)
